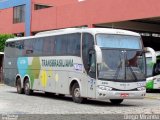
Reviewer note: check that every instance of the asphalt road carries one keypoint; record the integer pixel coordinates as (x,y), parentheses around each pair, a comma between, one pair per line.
(39,103)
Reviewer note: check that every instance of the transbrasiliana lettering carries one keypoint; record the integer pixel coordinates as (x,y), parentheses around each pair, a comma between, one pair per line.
(57,63)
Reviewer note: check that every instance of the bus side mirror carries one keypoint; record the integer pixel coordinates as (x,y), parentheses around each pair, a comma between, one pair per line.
(98,54)
(153,53)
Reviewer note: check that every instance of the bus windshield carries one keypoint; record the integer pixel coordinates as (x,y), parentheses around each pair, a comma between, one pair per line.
(152,68)
(149,66)
(121,58)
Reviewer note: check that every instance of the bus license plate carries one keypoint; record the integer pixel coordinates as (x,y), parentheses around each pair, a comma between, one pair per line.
(124,94)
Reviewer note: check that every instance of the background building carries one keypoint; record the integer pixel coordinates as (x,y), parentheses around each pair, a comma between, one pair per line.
(27,17)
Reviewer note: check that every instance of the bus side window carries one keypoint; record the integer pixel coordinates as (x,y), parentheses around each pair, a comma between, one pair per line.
(87,45)
(48,46)
(61,45)
(73,47)
(28,47)
(37,46)
(10,49)
(52,38)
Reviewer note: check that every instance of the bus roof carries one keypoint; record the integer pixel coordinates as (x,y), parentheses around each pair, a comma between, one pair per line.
(75,30)
(149,54)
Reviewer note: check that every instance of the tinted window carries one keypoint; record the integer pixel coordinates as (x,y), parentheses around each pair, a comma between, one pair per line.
(10,49)
(74,44)
(19,47)
(48,46)
(14,49)
(60,45)
(37,46)
(87,45)
(33,47)
(28,47)
(68,44)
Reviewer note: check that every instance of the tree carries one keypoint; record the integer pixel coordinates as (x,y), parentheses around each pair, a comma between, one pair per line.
(3,38)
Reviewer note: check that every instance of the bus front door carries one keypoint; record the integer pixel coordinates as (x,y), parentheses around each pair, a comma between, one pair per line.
(92,75)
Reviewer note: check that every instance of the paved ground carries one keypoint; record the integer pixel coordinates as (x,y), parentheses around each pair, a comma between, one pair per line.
(39,103)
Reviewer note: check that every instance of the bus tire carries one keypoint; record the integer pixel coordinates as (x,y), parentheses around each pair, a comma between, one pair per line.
(27,88)
(116,101)
(49,94)
(20,90)
(76,94)
(61,95)
(148,90)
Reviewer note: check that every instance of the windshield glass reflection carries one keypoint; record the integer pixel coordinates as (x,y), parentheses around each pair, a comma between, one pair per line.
(122,65)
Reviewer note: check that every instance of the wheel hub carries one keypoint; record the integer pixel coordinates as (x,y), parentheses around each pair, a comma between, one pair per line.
(18,87)
(27,87)
(77,92)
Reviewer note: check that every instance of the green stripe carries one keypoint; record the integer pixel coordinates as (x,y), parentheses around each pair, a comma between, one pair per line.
(149,84)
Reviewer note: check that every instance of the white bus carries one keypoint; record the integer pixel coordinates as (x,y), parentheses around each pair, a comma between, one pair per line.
(153,71)
(93,63)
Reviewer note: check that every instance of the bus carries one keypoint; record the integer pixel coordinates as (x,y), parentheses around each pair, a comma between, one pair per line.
(153,71)
(86,63)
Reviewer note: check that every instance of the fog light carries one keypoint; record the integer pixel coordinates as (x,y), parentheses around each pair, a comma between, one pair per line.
(104,88)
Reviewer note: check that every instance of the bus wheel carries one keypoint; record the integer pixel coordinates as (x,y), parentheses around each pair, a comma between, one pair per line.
(49,94)
(76,94)
(61,95)
(148,90)
(20,90)
(116,101)
(27,89)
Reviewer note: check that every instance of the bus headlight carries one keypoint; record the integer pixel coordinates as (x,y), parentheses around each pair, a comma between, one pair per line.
(104,88)
(141,88)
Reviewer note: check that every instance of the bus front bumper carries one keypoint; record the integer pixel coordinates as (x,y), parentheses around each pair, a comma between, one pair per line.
(103,94)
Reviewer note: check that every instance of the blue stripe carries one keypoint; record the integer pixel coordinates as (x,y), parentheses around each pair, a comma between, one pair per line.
(11,3)
(28,18)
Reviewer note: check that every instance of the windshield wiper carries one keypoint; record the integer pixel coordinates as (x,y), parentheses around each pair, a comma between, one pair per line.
(119,67)
(117,71)
(123,65)
(134,75)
